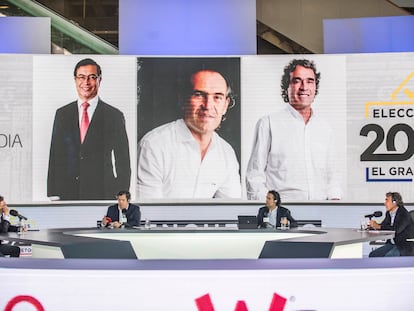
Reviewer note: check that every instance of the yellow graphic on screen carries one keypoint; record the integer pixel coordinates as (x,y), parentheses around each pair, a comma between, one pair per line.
(402,87)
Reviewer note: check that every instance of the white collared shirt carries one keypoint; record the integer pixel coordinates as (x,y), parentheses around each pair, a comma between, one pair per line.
(392,215)
(122,216)
(295,158)
(170,165)
(6,217)
(272,216)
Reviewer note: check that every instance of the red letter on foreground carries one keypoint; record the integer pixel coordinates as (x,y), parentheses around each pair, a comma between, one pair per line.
(204,303)
(22,298)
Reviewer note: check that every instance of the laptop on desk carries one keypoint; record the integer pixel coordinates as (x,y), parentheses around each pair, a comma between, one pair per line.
(247,222)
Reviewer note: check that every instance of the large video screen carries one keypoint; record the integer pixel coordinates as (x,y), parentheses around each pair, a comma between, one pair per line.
(174,129)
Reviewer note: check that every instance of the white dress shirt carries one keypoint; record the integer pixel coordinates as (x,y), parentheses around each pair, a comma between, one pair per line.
(122,217)
(6,217)
(272,217)
(293,158)
(392,215)
(170,165)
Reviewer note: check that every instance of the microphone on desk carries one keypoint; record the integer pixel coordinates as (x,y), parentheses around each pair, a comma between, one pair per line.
(15,213)
(374,214)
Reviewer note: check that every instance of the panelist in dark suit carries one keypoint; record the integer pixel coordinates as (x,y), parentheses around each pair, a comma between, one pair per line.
(89,152)
(271,214)
(399,220)
(5,249)
(123,214)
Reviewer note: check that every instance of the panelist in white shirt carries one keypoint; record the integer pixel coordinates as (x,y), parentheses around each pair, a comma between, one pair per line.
(293,150)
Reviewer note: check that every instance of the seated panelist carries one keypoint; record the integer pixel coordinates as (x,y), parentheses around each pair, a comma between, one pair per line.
(397,219)
(6,249)
(273,214)
(123,214)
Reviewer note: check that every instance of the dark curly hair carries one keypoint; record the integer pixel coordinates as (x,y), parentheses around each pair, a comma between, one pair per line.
(284,84)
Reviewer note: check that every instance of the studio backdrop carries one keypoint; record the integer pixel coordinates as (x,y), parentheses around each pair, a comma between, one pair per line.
(366,101)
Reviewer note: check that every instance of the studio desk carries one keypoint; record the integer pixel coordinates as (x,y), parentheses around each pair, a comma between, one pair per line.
(197,243)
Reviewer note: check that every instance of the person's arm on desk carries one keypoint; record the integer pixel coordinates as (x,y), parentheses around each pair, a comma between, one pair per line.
(117,224)
(384,225)
(105,221)
(292,221)
(133,216)
(374,225)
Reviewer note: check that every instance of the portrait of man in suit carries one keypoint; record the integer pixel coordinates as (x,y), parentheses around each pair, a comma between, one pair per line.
(89,153)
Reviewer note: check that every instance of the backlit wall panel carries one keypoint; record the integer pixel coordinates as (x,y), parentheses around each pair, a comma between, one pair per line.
(369,34)
(29,35)
(367,99)
(180,27)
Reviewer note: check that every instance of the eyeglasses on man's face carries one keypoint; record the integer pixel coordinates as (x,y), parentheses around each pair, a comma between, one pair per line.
(84,78)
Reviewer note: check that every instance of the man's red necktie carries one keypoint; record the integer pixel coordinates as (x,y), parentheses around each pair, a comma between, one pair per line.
(84,122)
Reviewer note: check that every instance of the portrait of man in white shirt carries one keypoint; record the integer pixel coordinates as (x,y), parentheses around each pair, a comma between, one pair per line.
(186,158)
(294,148)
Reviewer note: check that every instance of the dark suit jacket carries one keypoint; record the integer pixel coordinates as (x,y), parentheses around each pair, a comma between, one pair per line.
(7,249)
(281,212)
(85,171)
(404,229)
(133,214)
(5,226)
